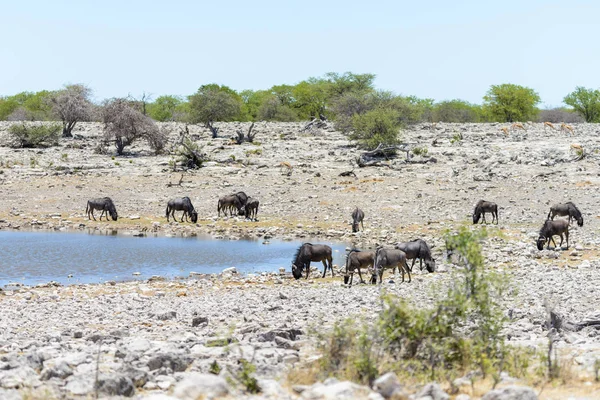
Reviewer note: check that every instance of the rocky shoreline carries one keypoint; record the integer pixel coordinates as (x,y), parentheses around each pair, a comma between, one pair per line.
(161,338)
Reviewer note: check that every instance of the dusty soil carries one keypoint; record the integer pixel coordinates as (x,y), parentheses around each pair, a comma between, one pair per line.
(524,172)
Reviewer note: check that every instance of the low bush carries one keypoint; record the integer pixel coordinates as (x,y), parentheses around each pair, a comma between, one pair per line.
(34,134)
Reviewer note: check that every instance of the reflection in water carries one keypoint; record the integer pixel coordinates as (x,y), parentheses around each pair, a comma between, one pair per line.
(39,257)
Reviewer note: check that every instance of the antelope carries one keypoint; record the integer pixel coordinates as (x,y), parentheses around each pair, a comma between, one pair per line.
(505,130)
(288,167)
(518,125)
(565,127)
(548,125)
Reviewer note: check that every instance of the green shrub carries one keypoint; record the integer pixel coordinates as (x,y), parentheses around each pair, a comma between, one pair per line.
(190,155)
(420,151)
(379,126)
(34,135)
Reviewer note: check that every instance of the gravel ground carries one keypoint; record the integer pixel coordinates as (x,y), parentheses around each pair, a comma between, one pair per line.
(158,337)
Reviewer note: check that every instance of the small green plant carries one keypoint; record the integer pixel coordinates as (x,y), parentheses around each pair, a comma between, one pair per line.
(215,368)
(232,157)
(456,138)
(253,152)
(112,158)
(64,156)
(117,163)
(420,151)
(130,161)
(34,134)
(246,376)
(33,162)
(597,369)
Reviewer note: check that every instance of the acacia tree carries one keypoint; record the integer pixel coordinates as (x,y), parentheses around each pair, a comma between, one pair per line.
(213,103)
(72,105)
(511,103)
(586,102)
(123,124)
(164,108)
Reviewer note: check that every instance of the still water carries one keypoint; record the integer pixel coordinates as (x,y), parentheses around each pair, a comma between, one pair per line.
(39,257)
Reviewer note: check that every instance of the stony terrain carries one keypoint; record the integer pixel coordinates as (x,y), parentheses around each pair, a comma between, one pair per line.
(153,338)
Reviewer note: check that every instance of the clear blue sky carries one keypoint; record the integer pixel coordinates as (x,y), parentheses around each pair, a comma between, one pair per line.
(435,49)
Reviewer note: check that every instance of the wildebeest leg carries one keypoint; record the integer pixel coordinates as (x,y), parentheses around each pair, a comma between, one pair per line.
(408,272)
(93,214)
(561,241)
(362,225)
(553,242)
(359,275)
(307,270)
(324,261)
(567,235)
(102,213)
(495,214)
(420,265)
(483,219)
(413,264)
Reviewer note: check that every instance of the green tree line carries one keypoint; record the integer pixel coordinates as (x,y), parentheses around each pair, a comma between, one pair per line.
(350,100)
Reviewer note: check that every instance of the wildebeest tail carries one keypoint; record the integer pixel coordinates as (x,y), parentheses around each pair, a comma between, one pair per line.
(87,207)
(167,212)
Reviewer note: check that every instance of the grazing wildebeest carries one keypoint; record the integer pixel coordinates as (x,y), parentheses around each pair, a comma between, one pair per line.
(551,228)
(230,203)
(105,204)
(311,252)
(567,209)
(390,258)
(355,261)
(182,204)
(482,207)
(357,216)
(418,248)
(251,208)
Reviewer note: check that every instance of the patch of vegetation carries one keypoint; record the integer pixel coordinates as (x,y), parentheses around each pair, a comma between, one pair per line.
(215,368)
(420,151)
(245,375)
(28,135)
(456,138)
(256,152)
(189,155)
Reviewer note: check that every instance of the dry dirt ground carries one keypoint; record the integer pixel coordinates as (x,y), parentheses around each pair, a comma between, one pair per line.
(523,171)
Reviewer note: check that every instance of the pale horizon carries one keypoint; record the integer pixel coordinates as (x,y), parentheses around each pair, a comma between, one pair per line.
(430,50)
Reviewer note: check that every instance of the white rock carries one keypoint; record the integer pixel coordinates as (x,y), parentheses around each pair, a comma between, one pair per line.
(195,386)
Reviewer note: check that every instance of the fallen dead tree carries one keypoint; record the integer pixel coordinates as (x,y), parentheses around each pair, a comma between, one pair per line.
(376,157)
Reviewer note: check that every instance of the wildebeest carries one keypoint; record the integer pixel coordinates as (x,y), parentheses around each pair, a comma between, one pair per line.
(182,204)
(357,216)
(311,252)
(242,196)
(481,208)
(567,209)
(230,203)
(356,260)
(251,208)
(105,204)
(418,248)
(551,228)
(390,258)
